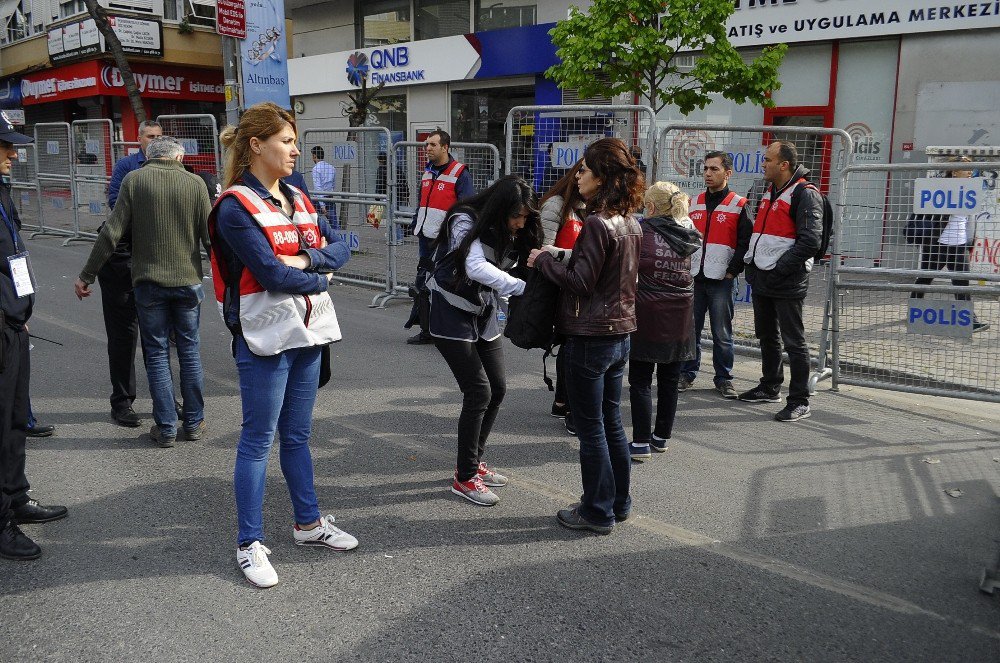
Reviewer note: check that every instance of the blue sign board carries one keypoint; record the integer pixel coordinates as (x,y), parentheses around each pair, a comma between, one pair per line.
(940,317)
(263,54)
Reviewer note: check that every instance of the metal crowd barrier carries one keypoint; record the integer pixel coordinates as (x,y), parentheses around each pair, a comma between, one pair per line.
(57,213)
(94,154)
(891,333)
(543,142)
(357,202)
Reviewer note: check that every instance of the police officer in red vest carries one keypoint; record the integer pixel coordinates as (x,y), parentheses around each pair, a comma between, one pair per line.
(723,219)
(778,261)
(445,181)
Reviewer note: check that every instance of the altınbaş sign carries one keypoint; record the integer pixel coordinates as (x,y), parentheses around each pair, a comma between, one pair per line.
(763,22)
(264,54)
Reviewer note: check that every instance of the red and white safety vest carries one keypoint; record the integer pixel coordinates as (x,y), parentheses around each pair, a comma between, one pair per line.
(774,229)
(273,322)
(719,234)
(437,195)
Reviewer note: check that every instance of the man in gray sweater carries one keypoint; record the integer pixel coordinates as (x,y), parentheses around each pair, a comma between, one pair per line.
(167,210)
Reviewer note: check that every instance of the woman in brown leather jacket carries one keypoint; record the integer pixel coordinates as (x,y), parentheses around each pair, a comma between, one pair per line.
(596,315)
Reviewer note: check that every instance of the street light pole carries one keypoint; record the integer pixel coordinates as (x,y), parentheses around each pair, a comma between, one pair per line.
(232,78)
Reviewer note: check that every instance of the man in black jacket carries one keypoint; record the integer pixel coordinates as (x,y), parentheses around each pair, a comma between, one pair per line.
(17,299)
(786,235)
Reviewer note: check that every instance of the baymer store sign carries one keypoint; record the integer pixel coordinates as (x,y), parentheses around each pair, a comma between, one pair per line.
(762,22)
(427,61)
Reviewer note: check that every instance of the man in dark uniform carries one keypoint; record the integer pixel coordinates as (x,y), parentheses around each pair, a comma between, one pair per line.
(17,299)
(121,322)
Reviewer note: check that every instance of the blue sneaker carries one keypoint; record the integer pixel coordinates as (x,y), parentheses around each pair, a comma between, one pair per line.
(640,451)
(658,444)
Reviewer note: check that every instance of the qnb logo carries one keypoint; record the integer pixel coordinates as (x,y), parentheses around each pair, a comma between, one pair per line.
(357,68)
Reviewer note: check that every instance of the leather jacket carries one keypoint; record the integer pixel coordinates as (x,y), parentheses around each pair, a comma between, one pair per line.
(598,282)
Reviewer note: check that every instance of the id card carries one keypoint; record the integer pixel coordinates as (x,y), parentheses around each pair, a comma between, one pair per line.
(20,273)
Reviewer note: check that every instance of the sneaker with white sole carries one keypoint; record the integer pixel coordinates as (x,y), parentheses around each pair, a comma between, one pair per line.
(491,478)
(640,451)
(475,491)
(325,534)
(658,444)
(793,413)
(256,566)
(760,395)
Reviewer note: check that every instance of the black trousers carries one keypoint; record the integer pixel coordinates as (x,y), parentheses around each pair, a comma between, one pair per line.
(939,256)
(640,392)
(779,321)
(14,376)
(121,323)
(478,368)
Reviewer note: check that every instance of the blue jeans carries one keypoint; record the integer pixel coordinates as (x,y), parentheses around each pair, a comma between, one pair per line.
(718,298)
(162,310)
(278,394)
(594,370)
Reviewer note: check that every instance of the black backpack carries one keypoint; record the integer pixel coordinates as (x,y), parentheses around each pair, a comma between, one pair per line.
(531,317)
(824,242)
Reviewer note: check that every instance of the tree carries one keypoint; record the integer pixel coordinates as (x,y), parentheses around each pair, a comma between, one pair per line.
(361,101)
(630,46)
(121,61)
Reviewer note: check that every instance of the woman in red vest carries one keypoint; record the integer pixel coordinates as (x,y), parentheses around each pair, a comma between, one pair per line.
(561,212)
(272,259)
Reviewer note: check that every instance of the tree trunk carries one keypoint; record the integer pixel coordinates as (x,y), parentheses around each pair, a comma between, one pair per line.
(101,18)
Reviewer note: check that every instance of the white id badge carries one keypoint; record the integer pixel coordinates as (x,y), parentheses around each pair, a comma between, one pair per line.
(20,273)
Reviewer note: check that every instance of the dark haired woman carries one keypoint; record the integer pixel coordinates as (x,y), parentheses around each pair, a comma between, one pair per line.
(561,215)
(596,315)
(478,242)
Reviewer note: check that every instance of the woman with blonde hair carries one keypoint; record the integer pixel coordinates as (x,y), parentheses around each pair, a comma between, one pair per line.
(664,338)
(272,261)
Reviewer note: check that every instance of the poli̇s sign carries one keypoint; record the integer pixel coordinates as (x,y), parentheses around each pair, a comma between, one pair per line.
(565,154)
(946,195)
(939,317)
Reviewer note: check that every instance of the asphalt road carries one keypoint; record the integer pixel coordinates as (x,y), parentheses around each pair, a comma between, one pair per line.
(829,539)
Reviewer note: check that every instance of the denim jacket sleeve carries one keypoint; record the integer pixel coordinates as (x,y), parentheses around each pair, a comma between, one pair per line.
(333,256)
(242,234)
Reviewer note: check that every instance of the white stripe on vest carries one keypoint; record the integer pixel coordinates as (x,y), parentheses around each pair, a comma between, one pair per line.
(765,248)
(273,322)
(717,256)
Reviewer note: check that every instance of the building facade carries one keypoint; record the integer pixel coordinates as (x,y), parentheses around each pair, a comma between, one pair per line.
(54,68)
(899,75)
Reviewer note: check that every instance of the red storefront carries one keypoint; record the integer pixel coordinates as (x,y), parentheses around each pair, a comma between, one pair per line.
(94,89)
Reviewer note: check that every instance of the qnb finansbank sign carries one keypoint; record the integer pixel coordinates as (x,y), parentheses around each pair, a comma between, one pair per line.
(763,22)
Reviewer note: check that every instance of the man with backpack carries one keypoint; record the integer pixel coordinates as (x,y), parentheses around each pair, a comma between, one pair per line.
(787,235)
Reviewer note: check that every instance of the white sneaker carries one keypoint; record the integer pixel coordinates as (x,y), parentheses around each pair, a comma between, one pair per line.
(326,534)
(256,567)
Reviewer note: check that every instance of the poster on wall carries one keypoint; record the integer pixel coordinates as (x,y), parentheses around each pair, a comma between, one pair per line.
(264,54)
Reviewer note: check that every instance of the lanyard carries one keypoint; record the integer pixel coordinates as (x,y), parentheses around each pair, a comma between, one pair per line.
(10,226)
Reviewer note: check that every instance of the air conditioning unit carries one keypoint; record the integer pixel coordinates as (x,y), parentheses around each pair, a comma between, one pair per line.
(149,7)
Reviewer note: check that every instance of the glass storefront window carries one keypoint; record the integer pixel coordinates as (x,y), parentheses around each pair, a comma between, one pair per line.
(441,18)
(494,15)
(390,112)
(478,116)
(385,22)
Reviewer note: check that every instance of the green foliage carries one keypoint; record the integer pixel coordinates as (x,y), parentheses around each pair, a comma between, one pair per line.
(629,46)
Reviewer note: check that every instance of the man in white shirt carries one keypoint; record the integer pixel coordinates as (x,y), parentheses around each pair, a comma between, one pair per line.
(323,176)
